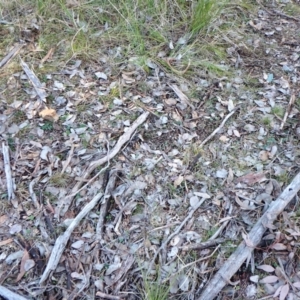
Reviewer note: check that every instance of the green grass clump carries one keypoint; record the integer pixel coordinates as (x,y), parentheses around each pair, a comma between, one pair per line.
(155,291)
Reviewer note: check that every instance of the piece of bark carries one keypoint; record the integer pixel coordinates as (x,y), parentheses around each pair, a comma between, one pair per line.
(244,250)
(8,294)
(12,53)
(9,178)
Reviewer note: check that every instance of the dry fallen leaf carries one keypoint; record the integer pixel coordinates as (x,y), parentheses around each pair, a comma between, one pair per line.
(49,114)
(178,180)
(279,246)
(284,292)
(269,279)
(22,267)
(266,268)
(252,178)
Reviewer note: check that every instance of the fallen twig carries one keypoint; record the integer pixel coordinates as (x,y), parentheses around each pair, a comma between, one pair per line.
(288,110)
(34,81)
(93,165)
(193,263)
(32,193)
(165,243)
(218,129)
(245,249)
(108,190)
(67,162)
(106,296)
(8,294)
(195,159)
(63,239)
(203,245)
(12,53)
(220,229)
(9,179)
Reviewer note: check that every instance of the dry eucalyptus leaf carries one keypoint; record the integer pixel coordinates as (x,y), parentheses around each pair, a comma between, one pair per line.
(49,114)
(269,279)
(266,268)
(252,178)
(278,246)
(284,291)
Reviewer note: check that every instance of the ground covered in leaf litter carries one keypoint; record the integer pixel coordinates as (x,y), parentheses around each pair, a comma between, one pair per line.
(171,189)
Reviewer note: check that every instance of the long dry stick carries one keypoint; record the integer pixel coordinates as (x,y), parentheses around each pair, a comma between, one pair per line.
(63,239)
(165,243)
(8,294)
(288,110)
(9,179)
(218,129)
(245,249)
(93,165)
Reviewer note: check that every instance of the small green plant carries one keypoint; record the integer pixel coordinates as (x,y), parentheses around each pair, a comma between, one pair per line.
(204,12)
(278,111)
(155,290)
(19,116)
(11,143)
(267,121)
(59,180)
(47,126)
(31,217)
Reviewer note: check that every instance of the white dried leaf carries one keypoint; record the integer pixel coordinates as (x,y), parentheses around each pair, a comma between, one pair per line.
(279,246)
(77,244)
(183,283)
(297,284)
(59,86)
(263,155)
(118,101)
(222,173)
(113,268)
(16,228)
(44,153)
(14,256)
(202,195)
(98,267)
(230,105)
(173,287)
(80,130)
(29,264)
(254,278)
(126,122)
(249,128)
(101,75)
(87,234)
(223,138)
(151,64)
(269,279)
(277,292)
(251,291)
(266,268)
(236,133)
(13,128)
(178,180)
(194,201)
(247,240)
(284,291)
(173,252)
(175,240)
(77,275)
